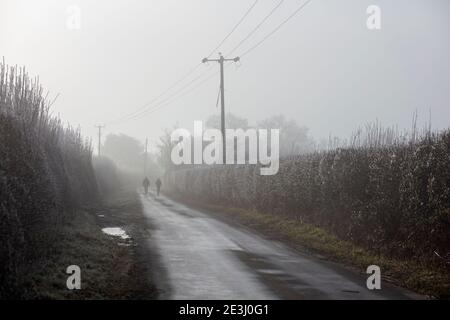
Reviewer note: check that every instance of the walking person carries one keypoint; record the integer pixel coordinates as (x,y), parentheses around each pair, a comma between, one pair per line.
(158,184)
(146,184)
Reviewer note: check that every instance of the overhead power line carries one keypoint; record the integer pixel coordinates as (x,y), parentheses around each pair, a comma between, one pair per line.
(185,76)
(276,29)
(296,11)
(176,97)
(149,107)
(180,95)
(172,86)
(256,28)
(145,109)
(234,28)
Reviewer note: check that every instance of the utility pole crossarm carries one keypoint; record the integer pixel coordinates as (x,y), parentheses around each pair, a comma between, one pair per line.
(221,60)
(204,60)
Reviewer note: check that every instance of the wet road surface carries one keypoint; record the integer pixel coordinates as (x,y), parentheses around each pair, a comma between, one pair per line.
(205,258)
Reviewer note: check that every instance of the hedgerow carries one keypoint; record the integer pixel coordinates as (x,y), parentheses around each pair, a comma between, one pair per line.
(389,193)
(46,174)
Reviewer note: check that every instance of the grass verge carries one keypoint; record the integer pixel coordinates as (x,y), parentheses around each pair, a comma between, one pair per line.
(426,279)
(110,268)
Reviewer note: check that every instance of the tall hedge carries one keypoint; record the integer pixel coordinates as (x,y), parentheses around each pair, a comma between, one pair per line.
(46,174)
(393,199)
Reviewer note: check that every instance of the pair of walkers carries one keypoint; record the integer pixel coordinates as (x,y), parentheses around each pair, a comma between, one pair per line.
(146,185)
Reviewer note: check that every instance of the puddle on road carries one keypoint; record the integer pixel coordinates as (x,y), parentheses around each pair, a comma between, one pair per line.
(123,244)
(116,232)
(270,271)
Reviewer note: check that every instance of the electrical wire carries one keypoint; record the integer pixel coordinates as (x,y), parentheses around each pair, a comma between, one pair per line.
(256,28)
(276,29)
(142,112)
(234,28)
(180,94)
(175,97)
(175,84)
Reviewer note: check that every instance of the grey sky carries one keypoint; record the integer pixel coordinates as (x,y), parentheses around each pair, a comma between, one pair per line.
(324,68)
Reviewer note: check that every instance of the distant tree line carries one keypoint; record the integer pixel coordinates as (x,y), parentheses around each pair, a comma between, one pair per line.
(294,139)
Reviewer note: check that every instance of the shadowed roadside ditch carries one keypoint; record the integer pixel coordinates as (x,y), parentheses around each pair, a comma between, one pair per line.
(112,267)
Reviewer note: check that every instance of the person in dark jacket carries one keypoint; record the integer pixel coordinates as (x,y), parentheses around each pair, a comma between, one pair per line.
(158,184)
(146,184)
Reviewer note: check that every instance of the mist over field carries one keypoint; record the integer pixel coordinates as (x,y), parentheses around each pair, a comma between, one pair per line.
(257,149)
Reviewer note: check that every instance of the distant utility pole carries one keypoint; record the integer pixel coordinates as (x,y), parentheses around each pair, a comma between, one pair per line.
(221,60)
(99,137)
(145,159)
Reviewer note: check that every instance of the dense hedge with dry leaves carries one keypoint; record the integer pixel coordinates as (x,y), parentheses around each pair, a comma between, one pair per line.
(45,175)
(393,198)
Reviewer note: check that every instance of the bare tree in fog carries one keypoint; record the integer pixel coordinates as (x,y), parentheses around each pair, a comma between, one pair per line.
(294,138)
(125,151)
(231,122)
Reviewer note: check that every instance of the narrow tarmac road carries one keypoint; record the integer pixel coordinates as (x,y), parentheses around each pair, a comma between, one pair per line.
(205,258)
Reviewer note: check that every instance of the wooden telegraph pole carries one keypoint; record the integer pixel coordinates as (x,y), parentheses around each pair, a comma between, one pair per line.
(221,60)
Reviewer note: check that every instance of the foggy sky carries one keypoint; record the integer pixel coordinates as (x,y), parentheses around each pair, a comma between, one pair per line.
(324,68)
